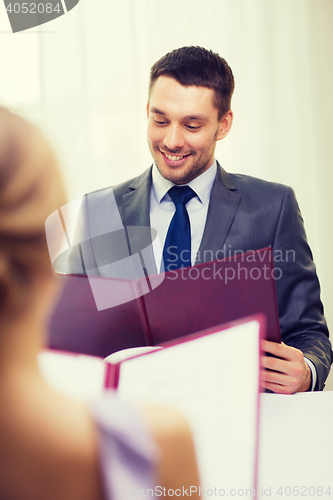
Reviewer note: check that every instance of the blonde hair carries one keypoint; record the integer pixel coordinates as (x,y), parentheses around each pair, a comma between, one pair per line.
(30,189)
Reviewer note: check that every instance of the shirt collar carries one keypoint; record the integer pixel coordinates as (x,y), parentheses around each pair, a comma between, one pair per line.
(201,185)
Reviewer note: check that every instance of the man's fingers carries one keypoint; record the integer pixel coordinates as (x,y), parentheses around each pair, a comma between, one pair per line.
(278,382)
(274,348)
(278,389)
(276,364)
(286,373)
(274,377)
(282,351)
(294,370)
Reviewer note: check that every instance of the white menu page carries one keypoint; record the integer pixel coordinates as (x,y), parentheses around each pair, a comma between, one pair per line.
(213,380)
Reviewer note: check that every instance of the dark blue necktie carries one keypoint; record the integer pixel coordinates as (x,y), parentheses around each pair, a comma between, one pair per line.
(177,247)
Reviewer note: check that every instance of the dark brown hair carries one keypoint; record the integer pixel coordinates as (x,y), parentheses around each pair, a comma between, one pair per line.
(200,67)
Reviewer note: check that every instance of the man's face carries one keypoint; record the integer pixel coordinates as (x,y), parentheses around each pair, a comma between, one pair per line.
(183,128)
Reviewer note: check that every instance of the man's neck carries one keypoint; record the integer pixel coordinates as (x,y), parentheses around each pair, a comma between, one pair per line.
(202,184)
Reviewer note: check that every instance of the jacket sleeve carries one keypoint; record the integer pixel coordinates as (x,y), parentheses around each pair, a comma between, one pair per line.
(302,320)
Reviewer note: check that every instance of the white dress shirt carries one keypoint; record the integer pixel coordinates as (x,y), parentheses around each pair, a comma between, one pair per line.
(162,209)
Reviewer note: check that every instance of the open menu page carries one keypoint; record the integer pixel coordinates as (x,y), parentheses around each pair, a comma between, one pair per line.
(213,380)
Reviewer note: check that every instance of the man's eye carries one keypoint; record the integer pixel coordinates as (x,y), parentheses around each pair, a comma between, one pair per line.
(191,127)
(159,122)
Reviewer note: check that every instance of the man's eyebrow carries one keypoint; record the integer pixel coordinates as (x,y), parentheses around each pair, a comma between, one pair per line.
(157,111)
(196,117)
(199,117)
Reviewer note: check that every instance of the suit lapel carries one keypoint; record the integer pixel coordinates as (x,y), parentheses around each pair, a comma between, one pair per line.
(136,219)
(135,203)
(222,209)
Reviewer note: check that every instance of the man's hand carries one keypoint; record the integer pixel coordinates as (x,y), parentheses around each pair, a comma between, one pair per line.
(286,374)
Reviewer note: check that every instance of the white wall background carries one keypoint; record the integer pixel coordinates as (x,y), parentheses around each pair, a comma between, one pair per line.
(84,78)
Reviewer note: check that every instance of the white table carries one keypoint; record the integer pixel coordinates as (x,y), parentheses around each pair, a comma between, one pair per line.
(296,441)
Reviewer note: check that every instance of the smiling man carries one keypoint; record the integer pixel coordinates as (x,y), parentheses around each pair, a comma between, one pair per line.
(198,210)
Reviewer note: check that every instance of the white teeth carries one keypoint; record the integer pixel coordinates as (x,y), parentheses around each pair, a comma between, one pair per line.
(173,158)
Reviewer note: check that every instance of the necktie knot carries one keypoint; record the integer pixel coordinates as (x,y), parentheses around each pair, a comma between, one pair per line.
(181,194)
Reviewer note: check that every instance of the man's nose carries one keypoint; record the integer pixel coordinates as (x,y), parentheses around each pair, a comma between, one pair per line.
(174,138)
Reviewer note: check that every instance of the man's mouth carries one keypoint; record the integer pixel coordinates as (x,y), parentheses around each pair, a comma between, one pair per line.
(173,157)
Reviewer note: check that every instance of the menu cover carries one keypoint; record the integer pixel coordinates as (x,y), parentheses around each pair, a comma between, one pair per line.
(158,308)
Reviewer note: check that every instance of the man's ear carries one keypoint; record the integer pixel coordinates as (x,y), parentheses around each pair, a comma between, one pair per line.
(148,108)
(225,125)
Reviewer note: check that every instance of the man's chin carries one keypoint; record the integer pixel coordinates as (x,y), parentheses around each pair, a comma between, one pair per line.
(177,175)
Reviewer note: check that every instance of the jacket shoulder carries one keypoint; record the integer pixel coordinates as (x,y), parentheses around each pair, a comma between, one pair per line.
(258,191)
(247,182)
(124,187)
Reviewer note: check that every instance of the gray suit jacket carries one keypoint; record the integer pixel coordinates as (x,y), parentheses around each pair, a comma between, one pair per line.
(244,214)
